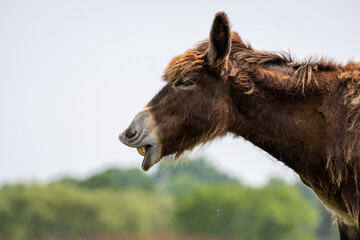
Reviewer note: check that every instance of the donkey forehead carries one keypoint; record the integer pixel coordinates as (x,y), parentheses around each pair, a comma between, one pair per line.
(186,65)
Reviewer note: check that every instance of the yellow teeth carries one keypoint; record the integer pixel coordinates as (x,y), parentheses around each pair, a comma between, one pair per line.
(141,150)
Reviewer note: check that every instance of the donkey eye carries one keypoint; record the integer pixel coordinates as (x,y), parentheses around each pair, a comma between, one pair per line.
(183,83)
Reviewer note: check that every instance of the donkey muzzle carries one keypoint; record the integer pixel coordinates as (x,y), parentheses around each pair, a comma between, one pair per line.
(140,135)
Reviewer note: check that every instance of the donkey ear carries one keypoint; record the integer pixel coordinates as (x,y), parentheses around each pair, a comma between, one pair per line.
(220,42)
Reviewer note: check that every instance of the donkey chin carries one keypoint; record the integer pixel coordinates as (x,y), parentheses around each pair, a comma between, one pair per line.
(141,135)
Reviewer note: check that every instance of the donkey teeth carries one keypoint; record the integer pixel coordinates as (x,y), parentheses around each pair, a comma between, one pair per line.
(141,150)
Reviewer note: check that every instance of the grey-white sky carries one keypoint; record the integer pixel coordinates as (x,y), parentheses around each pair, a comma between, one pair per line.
(74,73)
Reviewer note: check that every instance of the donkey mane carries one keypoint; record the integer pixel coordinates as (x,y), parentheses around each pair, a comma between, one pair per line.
(297,77)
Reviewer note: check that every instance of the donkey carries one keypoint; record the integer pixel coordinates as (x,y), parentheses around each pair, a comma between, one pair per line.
(305,114)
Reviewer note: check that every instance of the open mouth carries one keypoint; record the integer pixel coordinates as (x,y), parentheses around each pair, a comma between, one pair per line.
(151,156)
(149,149)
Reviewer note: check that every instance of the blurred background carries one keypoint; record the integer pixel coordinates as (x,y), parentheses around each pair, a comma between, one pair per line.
(72,76)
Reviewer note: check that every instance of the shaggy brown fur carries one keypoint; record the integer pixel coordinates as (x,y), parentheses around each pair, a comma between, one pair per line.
(305,114)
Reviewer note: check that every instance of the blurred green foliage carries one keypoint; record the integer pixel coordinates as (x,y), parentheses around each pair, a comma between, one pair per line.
(234,212)
(115,178)
(178,180)
(59,211)
(191,199)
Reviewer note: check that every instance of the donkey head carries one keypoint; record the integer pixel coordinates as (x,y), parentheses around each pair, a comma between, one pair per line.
(192,108)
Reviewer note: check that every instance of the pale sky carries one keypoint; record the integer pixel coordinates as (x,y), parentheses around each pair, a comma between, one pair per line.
(74,73)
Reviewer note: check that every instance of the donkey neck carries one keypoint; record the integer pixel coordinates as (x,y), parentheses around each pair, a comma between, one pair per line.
(287,127)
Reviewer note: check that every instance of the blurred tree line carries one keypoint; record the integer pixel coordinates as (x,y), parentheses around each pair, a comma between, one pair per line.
(194,200)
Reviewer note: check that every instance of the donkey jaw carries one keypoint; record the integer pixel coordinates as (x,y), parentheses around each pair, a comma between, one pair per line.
(151,157)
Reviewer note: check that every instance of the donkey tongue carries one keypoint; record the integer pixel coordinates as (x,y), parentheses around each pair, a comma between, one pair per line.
(147,153)
(146,163)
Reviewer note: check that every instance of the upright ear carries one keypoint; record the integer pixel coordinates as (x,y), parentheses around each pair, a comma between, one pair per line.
(220,42)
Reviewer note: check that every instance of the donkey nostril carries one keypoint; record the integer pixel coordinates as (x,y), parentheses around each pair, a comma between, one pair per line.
(130,133)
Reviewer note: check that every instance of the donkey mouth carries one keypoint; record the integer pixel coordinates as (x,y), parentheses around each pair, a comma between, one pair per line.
(146,147)
(151,156)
